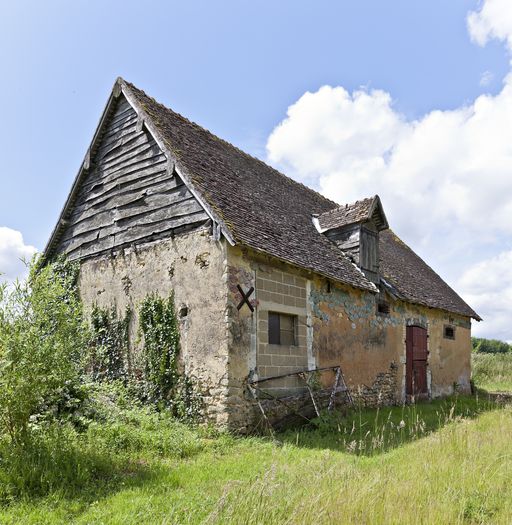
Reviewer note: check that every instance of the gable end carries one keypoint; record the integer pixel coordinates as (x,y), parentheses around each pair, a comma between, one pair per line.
(127,192)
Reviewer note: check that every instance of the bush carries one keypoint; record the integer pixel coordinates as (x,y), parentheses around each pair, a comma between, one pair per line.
(42,341)
(490,346)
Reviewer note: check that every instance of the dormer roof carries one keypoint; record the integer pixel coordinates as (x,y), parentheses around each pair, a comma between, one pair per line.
(356,213)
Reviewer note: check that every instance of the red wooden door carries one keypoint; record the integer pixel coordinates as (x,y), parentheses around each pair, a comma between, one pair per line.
(416,362)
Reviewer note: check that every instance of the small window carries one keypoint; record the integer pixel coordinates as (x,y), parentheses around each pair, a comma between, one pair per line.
(383,308)
(449,332)
(281,329)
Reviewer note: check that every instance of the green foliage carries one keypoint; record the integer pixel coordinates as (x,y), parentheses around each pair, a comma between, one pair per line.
(492,372)
(54,458)
(490,346)
(457,473)
(164,383)
(159,328)
(42,341)
(109,352)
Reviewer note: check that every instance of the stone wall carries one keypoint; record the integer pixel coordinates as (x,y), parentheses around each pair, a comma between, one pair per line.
(338,325)
(194,267)
(225,342)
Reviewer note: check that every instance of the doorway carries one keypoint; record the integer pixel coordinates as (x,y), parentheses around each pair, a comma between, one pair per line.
(416,363)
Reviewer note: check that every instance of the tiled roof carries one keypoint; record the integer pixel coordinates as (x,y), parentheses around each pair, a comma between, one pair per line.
(414,280)
(262,208)
(271,213)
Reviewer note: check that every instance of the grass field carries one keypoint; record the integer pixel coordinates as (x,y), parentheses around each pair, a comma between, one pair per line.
(444,462)
(493,372)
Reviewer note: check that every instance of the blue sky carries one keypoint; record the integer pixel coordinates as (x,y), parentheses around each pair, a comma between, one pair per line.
(235,67)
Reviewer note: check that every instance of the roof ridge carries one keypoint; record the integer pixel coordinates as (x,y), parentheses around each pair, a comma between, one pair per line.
(224,141)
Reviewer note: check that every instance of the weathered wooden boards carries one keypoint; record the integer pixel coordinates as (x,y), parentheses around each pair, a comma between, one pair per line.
(128,194)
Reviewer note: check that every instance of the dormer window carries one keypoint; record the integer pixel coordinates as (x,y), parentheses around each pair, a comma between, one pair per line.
(354,228)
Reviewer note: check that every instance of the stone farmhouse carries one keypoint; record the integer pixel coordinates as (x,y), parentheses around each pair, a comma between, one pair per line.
(270,278)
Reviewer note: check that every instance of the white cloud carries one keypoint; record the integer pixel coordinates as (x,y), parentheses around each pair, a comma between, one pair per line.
(445,179)
(488,286)
(12,253)
(493,20)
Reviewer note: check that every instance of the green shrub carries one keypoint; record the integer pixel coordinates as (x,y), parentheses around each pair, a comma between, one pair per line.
(42,341)
(490,346)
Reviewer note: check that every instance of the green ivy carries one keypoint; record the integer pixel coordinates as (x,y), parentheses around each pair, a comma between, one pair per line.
(109,355)
(165,384)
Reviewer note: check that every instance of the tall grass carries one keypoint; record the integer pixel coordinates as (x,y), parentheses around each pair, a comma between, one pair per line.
(492,372)
(94,453)
(460,474)
(448,462)
(373,431)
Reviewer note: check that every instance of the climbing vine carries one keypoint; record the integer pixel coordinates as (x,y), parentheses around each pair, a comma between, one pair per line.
(109,349)
(164,383)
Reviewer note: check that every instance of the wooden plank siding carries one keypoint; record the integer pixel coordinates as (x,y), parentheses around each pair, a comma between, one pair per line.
(128,195)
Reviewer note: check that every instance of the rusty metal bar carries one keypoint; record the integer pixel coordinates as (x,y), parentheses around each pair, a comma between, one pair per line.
(303,376)
(255,381)
(334,389)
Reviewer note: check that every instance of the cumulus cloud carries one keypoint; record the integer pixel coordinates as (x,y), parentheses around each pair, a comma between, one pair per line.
(445,179)
(488,286)
(493,20)
(13,251)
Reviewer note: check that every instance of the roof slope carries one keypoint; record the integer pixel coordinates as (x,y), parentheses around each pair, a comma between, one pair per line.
(261,207)
(414,280)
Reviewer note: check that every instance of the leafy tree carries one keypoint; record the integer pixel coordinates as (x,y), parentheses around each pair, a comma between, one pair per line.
(42,341)
(490,346)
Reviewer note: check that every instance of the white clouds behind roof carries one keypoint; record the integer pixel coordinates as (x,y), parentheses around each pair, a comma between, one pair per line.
(445,179)
(488,287)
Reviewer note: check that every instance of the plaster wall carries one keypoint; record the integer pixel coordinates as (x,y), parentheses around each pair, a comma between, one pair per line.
(194,267)
(338,325)
(371,347)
